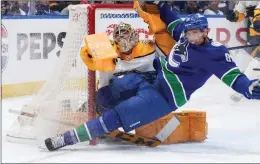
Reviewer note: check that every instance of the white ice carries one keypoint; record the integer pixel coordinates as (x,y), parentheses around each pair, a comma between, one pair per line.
(233,136)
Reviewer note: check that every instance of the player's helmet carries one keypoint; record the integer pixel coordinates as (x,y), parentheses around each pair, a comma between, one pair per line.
(193,21)
(125,37)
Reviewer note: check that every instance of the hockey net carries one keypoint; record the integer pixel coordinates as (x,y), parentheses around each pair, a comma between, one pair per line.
(68,97)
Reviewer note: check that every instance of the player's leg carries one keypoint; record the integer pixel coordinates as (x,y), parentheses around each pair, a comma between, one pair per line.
(147,106)
(119,89)
(105,101)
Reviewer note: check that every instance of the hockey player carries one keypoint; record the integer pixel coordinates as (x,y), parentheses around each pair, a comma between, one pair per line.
(250,10)
(192,61)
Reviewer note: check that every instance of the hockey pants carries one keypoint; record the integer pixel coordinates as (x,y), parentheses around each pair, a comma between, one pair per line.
(135,97)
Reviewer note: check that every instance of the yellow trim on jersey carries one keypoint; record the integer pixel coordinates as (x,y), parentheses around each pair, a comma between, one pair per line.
(257,12)
(143,48)
(253,32)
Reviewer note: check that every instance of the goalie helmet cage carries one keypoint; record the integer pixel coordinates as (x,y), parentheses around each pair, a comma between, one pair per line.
(69,94)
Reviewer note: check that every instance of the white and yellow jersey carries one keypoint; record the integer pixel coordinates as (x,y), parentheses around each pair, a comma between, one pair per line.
(242,7)
(141,59)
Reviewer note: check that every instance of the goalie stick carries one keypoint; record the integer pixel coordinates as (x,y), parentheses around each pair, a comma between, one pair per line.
(245,46)
(117,134)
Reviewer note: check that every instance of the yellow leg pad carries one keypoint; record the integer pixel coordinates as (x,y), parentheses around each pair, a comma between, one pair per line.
(193,127)
(154,21)
(152,9)
(164,41)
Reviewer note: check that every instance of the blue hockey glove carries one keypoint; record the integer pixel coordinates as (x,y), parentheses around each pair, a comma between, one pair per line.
(254,90)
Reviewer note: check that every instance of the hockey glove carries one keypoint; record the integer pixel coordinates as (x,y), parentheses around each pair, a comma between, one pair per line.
(98,53)
(253,90)
(256,20)
(231,15)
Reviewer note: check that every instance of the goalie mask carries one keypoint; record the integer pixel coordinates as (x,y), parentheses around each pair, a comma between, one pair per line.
(125,37)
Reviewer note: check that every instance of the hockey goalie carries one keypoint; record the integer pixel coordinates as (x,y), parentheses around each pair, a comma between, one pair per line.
(145,93)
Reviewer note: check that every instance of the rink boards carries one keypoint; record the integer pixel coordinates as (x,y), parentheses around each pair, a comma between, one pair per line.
(31,44)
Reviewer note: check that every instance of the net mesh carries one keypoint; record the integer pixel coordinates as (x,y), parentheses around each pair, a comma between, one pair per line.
(65,99)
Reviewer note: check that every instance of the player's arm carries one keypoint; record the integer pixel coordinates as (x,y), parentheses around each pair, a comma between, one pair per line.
(221,65)
(238,14)
(171,19)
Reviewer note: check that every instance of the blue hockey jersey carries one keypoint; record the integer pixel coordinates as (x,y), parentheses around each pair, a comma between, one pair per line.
(189,66)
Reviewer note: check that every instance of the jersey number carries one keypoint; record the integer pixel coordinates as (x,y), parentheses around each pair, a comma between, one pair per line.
(228,57)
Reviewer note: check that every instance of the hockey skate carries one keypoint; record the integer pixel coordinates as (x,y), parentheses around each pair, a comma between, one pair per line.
(55,143)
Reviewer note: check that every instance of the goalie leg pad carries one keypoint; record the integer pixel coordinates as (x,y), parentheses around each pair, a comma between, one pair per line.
(153,20)
(147,106)
(193,127)
(164,43)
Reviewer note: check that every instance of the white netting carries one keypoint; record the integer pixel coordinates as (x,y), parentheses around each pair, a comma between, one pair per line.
(64,93)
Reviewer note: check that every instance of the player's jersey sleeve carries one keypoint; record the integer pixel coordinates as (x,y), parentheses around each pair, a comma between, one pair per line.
(219,62)
(172,20)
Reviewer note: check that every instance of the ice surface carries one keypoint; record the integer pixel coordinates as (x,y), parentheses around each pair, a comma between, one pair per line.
(233,136)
